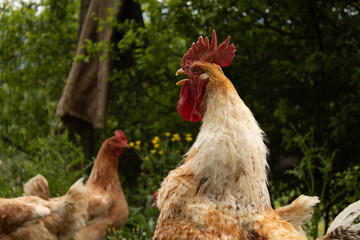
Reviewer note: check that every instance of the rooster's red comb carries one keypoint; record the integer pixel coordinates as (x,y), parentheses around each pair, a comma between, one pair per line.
(203,51)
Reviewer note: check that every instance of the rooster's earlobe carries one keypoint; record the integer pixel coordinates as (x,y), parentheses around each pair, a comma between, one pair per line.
(204,77)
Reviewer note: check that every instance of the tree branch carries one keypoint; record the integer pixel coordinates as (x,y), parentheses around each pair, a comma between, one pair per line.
(280,31)
(16,146)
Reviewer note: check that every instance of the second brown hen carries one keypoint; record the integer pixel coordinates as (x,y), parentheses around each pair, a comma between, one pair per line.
(108,208)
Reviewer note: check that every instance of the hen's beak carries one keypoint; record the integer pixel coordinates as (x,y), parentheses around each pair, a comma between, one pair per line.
(178,72)
(126,145)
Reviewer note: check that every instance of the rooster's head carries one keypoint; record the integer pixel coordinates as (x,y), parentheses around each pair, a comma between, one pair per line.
(202,64)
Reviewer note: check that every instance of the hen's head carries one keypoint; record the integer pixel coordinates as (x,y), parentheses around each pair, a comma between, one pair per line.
(155,198)
(118,143)
(200,63)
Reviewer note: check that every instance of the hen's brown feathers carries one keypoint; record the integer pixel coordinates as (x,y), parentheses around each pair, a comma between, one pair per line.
(37,186)
(42,219)
(14,213)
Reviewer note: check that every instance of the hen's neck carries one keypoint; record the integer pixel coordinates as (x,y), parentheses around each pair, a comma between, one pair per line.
(229,151)
(105,169)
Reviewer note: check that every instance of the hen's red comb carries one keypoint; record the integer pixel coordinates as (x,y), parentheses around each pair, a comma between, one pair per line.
(120,134)
(202,51)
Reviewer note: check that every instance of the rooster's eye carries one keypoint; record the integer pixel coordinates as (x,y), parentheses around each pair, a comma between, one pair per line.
(196,70)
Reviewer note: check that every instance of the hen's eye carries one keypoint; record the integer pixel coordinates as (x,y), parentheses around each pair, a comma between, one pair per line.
(196,70)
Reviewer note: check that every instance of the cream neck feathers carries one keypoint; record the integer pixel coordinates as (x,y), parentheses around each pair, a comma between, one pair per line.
(229,151)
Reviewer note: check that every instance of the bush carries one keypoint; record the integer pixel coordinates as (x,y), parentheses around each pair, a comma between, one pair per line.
(59,160)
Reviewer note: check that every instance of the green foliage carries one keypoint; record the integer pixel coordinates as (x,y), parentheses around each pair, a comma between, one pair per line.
(36,47)
(314,171)
(36,50)
(53,156)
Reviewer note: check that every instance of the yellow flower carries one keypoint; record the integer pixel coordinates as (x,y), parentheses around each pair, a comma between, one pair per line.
(177,151)
(167,134)
(161,152)
(156,145)
(189,138)
(187,134)
(153,151)
(147,158)
(142,173)
(131,144)
(175,137)
(137,147)
(138,142)
(155,140)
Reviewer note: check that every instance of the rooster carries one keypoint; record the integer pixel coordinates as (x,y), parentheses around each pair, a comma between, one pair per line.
(31,217)
(219,191)
(107,206)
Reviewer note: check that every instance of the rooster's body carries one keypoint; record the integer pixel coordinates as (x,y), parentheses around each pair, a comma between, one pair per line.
(220,189)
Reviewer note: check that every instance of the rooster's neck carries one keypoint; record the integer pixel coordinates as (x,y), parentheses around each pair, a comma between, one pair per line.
(229,151)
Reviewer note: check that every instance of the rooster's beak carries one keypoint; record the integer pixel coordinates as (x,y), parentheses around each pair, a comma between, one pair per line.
(178,72)
(181,82)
